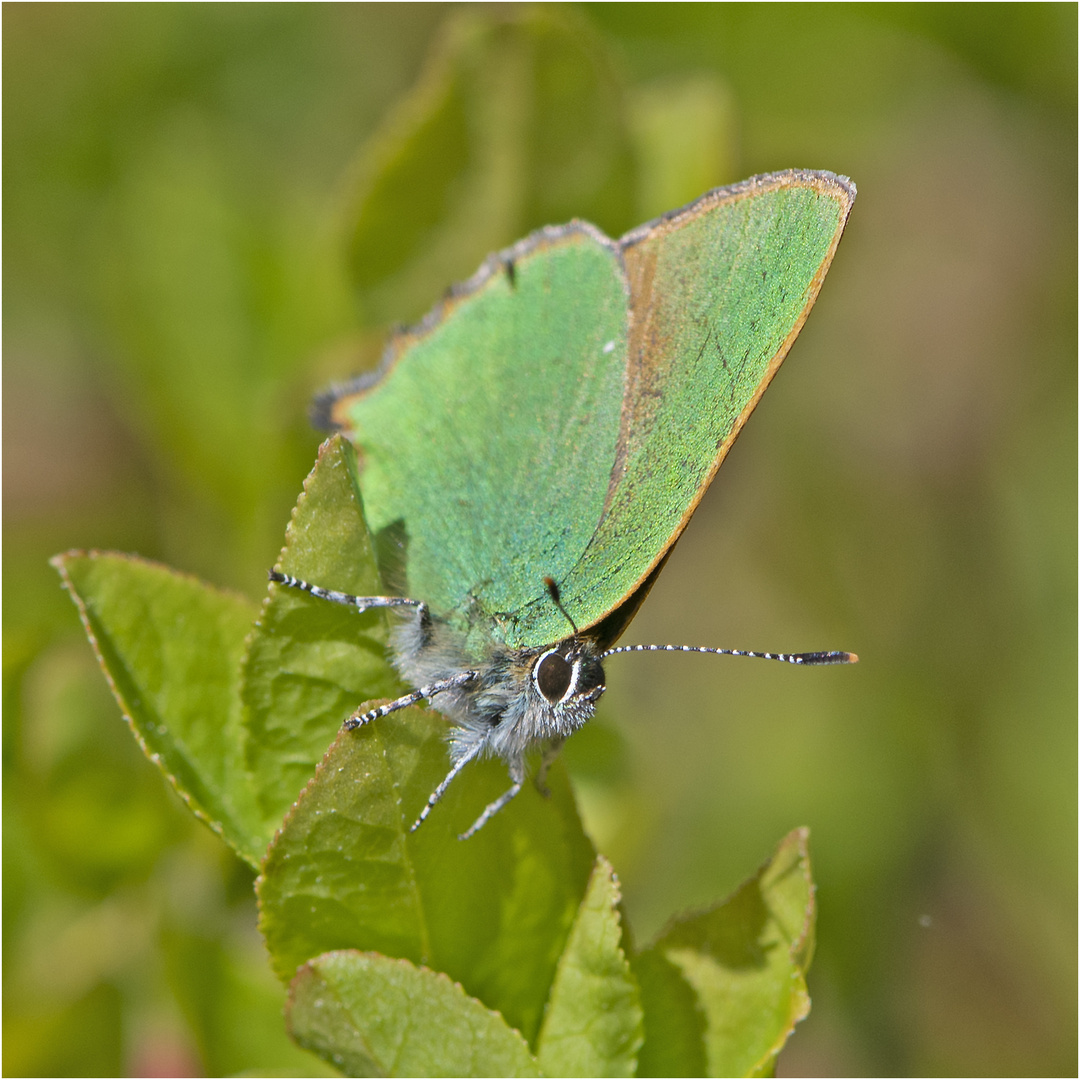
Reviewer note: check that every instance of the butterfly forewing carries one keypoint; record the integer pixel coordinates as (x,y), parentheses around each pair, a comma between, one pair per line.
(562,415)
(718,293)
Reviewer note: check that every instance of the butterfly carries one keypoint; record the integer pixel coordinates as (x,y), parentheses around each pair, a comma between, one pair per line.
(531,451)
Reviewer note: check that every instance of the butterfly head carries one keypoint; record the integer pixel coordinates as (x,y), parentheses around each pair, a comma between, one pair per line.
(569,674)
(568,677)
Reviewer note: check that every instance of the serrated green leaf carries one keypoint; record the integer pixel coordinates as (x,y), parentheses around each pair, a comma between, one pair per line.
(724,989)
(593,1022)
(310,662)
(170,647)
(374,1016)
(494,912)
(516,121)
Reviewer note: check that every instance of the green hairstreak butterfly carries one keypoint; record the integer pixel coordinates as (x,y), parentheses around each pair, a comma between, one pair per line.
(532,450)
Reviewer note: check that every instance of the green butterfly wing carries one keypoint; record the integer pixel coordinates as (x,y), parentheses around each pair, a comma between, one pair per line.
(562,413)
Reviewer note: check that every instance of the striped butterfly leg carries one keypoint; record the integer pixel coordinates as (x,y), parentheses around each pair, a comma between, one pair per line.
(461,678)
(440,791)
(455,681)
(360,603)
(364,603)
(517,775)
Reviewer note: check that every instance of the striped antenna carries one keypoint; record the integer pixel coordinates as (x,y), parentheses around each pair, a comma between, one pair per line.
(806,659)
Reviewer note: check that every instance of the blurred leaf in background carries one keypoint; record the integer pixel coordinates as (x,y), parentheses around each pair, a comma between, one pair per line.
(515,123)
(211,211)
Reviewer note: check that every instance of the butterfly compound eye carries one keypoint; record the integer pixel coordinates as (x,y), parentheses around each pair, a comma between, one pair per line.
(553,675)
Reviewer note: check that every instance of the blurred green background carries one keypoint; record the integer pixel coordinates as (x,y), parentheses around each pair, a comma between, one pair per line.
(212,211)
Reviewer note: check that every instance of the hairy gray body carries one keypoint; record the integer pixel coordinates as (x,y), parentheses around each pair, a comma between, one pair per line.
(517,699)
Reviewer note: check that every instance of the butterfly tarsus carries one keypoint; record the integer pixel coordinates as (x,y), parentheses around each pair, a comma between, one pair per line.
(493,808)
(360,603)
(517,775)
(454,682)
(440,791)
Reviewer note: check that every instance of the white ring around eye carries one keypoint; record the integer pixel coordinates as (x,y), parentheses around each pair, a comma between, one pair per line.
(539,660)
(575,676)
